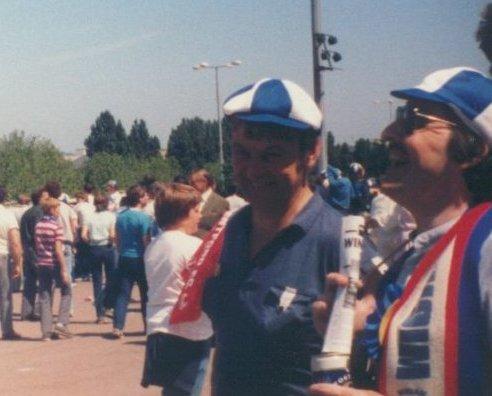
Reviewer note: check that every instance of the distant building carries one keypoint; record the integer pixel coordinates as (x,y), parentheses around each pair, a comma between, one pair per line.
(78,157)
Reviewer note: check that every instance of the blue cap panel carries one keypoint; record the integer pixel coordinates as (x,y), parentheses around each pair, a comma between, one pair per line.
(271,97)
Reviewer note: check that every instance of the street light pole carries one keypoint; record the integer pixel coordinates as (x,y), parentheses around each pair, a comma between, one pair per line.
(322,60)
(390,106)
(217,98)
(205,65)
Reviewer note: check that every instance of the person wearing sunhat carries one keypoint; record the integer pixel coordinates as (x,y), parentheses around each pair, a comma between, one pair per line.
(428,327)
(276,250)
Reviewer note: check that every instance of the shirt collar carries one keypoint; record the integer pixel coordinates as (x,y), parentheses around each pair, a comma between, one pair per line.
(206,194)
(308,215)
(429,237)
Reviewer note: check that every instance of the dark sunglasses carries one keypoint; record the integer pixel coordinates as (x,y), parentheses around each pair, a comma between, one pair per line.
(411,118)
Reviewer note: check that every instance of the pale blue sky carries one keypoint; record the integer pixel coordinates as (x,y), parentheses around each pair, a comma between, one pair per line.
(63,62)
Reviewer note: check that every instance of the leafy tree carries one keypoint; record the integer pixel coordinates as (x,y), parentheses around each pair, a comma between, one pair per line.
(107,136)
(28,162)
(362,151)
(193,143)
(484,33)
(127,170)
(140,143)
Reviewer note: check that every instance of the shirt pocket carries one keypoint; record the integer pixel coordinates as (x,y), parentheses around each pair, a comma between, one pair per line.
(279,308)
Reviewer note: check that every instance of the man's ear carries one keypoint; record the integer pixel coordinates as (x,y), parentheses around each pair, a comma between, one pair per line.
(313,154)
(477,159)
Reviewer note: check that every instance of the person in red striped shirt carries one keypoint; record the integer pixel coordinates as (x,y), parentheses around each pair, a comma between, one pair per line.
(52,269)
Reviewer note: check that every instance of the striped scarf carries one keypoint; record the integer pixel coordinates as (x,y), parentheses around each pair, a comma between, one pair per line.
(432,333)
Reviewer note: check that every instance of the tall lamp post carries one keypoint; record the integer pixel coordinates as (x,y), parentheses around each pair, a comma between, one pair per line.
(390,103)
(205,65)
(323,58)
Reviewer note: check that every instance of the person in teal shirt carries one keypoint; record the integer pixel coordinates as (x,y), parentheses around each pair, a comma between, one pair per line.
(132,236)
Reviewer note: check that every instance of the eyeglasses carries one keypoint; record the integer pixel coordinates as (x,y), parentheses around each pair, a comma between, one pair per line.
(409,117)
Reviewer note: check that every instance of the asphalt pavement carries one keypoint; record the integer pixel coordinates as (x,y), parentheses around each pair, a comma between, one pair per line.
(90,363)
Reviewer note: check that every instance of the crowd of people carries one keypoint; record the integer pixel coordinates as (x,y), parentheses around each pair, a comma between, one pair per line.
(422,220)
(422,326)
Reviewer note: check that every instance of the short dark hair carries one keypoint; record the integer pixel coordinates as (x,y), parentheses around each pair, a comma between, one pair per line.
(36,195)
(3,194)
(88,188)
(81,195)
(133,195)
(468,147)
(173,203)
(53,188)
(147,182)
(206,174)
(101,202)
(180,179)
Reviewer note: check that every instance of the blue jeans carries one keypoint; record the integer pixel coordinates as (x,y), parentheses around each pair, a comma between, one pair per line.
(130,270)
(69,258)
(100,256)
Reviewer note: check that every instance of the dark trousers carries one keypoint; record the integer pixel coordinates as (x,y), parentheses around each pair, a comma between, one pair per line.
(99,257)
(29,306)
(82,260)
(130,270)
(175,363)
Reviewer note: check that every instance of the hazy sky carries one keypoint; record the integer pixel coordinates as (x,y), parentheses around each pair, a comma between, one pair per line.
(63,62)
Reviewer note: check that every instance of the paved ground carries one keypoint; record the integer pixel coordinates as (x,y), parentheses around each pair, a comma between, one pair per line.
(88,364)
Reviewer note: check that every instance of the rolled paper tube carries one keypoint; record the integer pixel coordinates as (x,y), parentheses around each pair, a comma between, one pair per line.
(332,364)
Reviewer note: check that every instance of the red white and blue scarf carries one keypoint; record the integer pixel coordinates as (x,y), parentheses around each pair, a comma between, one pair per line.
(434,336)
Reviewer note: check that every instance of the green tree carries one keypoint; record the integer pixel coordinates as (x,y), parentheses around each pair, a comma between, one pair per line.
(140,143)
(107,136)
(194,143)
(127,170)
(28,162)
(362,151)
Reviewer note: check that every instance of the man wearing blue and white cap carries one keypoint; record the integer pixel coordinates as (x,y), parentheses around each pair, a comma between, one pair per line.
(276,251)
(433,310)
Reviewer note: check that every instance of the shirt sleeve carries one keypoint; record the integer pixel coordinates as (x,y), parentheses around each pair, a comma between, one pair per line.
(59,233)
(145,224)
(72,213)
(11,221)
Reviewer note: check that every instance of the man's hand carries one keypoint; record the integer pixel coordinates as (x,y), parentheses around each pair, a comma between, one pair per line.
(322,308)
(65,277)
(336,390)
(16,272)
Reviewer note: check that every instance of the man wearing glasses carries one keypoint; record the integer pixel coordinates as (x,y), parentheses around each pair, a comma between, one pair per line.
(428,327)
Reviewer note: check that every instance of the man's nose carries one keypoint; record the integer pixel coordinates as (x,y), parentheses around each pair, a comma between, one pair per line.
(393,131)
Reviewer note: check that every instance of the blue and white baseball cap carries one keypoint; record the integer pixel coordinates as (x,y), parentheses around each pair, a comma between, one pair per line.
(466,91)
(274,101)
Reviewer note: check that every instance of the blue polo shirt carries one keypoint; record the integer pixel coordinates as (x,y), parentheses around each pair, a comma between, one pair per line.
(131,226)
(261,306)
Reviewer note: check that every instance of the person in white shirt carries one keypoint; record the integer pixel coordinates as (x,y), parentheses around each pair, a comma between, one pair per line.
(10,244)
(98,232)
(114,195)
(389,224)
(23,203)
(89,190)
(176,354)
